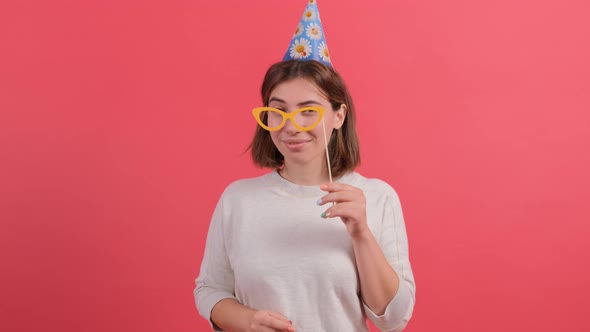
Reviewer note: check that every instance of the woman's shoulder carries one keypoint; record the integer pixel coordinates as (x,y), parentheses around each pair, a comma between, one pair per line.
(248,185)
(373,185)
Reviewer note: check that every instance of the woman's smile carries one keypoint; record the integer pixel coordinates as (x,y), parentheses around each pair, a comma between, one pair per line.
(295,144)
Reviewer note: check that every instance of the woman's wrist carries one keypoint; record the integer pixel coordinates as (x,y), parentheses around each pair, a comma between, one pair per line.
(360,234)
(229,314)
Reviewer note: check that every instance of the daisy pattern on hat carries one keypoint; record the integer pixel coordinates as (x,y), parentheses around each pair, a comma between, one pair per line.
(323,52)
(309,14)
(309,40)
(300,49)
(298,30)
(313,31)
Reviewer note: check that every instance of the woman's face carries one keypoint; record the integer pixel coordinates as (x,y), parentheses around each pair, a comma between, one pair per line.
(303,147)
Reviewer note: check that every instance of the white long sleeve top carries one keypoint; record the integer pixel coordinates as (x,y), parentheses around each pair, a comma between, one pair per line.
(269,249)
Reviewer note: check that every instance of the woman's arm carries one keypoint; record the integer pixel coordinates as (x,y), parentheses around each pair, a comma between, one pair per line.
(379,282)
(386,280)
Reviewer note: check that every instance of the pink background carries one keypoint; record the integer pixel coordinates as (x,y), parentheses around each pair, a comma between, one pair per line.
(121,122)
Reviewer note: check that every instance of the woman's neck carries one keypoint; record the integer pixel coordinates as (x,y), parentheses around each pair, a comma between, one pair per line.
(306,175)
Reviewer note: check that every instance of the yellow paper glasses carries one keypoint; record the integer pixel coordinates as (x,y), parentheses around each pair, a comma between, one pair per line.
(304,119)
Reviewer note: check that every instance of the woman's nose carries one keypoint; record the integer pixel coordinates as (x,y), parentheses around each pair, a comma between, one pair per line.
(289,127)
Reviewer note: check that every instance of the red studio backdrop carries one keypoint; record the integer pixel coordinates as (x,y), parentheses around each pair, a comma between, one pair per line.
(121,122)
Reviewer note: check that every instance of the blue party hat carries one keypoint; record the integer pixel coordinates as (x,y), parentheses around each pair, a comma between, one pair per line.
(309,42)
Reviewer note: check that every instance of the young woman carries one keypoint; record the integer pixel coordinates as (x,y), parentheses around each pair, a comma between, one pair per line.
(292,251)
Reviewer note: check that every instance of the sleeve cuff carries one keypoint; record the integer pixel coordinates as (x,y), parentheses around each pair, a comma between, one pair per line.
(397,313)
(206,305)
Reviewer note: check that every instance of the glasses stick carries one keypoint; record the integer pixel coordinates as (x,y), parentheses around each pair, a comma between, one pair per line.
(327,154)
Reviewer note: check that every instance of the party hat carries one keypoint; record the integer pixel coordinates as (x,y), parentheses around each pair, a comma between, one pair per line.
(309,42)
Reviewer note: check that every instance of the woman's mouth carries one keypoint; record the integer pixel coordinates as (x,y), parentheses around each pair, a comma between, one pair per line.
(295,145)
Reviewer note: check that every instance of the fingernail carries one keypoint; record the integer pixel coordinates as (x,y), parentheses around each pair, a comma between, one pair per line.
(323,186)
(323,215)
(319,202)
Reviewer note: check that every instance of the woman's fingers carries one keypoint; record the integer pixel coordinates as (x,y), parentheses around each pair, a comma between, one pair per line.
(279,316)
(335,186)
(344,210)
(279,325)
(280,322)
(351,206)
(273,322)
(339,192)
(340,196)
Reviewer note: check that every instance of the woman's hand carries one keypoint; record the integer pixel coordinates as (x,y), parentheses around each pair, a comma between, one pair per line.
(268,321)
(350,205)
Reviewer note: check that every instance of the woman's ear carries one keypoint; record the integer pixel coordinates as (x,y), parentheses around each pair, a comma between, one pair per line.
(340,116)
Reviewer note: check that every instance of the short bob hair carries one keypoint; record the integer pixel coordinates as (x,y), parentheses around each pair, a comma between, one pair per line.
(343,147)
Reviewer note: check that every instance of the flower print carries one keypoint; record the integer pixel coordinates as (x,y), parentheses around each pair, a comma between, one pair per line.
(323,52)
(313,31)
(298,30)
(300,49)
(309,14)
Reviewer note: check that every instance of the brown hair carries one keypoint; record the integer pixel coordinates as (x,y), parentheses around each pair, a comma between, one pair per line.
(343,147)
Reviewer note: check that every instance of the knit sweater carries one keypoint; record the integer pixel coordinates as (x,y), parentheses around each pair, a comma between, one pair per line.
(269,249)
